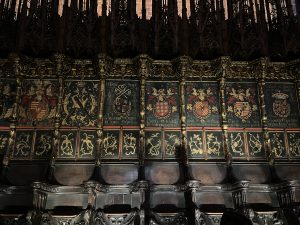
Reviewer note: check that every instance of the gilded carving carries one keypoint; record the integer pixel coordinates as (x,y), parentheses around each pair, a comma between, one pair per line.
(67,144)
(43,144)
(111,144)
(255,144)
(236,143)
(277,144)
(195,144)
(23,145)
(294,144)
(130,141)
(172,144)
(213,144)
(153,144)
(87,144)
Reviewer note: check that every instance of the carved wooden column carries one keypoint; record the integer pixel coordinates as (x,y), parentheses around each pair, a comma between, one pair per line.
(223,70)
(183,70)
(143,70)
(102,70)
(263,63)
(12,134)
(294,70)
(59,60)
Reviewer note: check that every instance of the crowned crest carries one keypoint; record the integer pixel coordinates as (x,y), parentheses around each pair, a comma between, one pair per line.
(281,106)
(163,102)
(241,103)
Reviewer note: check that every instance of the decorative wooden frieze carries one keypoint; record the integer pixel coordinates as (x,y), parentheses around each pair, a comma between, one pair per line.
(184,96)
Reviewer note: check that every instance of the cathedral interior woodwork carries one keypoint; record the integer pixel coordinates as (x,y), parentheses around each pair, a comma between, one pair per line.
(110,116)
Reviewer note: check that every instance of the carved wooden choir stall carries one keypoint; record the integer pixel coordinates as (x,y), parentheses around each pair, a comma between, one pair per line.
(110,116)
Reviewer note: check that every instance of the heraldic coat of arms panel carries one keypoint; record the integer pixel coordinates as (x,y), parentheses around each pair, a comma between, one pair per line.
(38,103)
(202,104)
(242,105)
(162,104)
(121,105)
(282,105)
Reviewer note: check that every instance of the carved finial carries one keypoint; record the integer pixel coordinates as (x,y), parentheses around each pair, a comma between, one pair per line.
(143,63)
(182,65)
(59,58)
(103,65)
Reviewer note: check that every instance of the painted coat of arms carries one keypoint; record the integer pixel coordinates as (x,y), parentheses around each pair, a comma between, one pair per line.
(281,106)
(241,104)
(161,105)
(38,102)
(202,104)
(121,103)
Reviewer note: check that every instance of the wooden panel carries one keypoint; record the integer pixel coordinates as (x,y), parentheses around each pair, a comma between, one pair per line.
(25,174)
(256,174)
(163,173)
(74,174)
(208,173)
(288,171)
(167,198)
(119,174)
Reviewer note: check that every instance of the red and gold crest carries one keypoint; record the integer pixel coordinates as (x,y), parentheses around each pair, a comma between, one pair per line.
(242,110)
(202,103)
(241,103)
(162,102)
(39,101)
